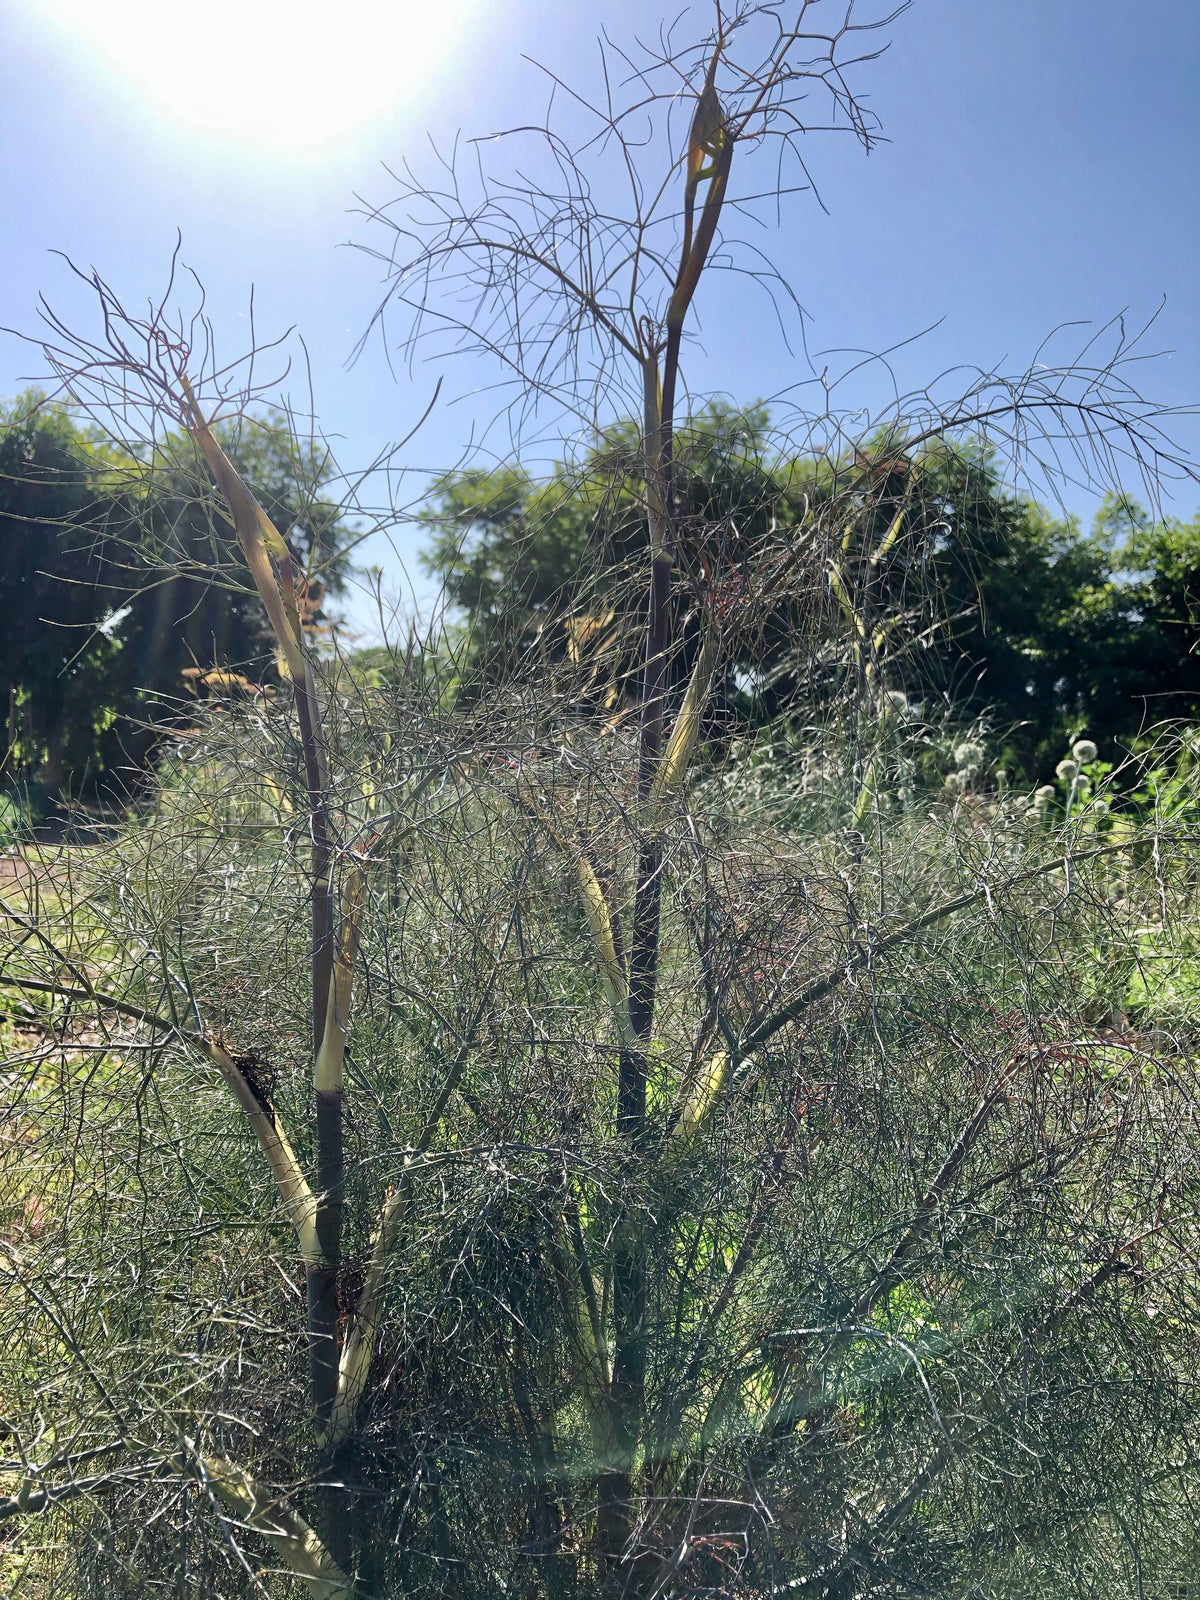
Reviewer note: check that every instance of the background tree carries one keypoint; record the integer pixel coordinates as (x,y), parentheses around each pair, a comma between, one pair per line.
(59,673)
(1019,617)
(117,582)
(1143,662)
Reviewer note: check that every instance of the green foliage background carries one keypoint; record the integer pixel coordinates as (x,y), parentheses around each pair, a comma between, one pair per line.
(115,577)
(1010,612)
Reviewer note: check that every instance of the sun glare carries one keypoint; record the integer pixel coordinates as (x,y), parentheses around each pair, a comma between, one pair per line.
(296,78)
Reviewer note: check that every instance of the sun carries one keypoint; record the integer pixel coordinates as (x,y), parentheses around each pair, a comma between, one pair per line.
(292,76)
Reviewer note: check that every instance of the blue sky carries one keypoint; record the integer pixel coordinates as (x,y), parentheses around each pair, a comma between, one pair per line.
(1041,169)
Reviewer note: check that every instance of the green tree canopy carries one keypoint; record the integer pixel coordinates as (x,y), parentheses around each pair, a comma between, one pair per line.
(115,579)
(978,595)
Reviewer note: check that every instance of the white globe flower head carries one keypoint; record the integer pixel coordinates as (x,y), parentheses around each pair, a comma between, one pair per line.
(897,701)
(1068,771)
(1084,752)
(1100,808)
(968,754)
(1080,785)
(1043,796)
(955,782)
